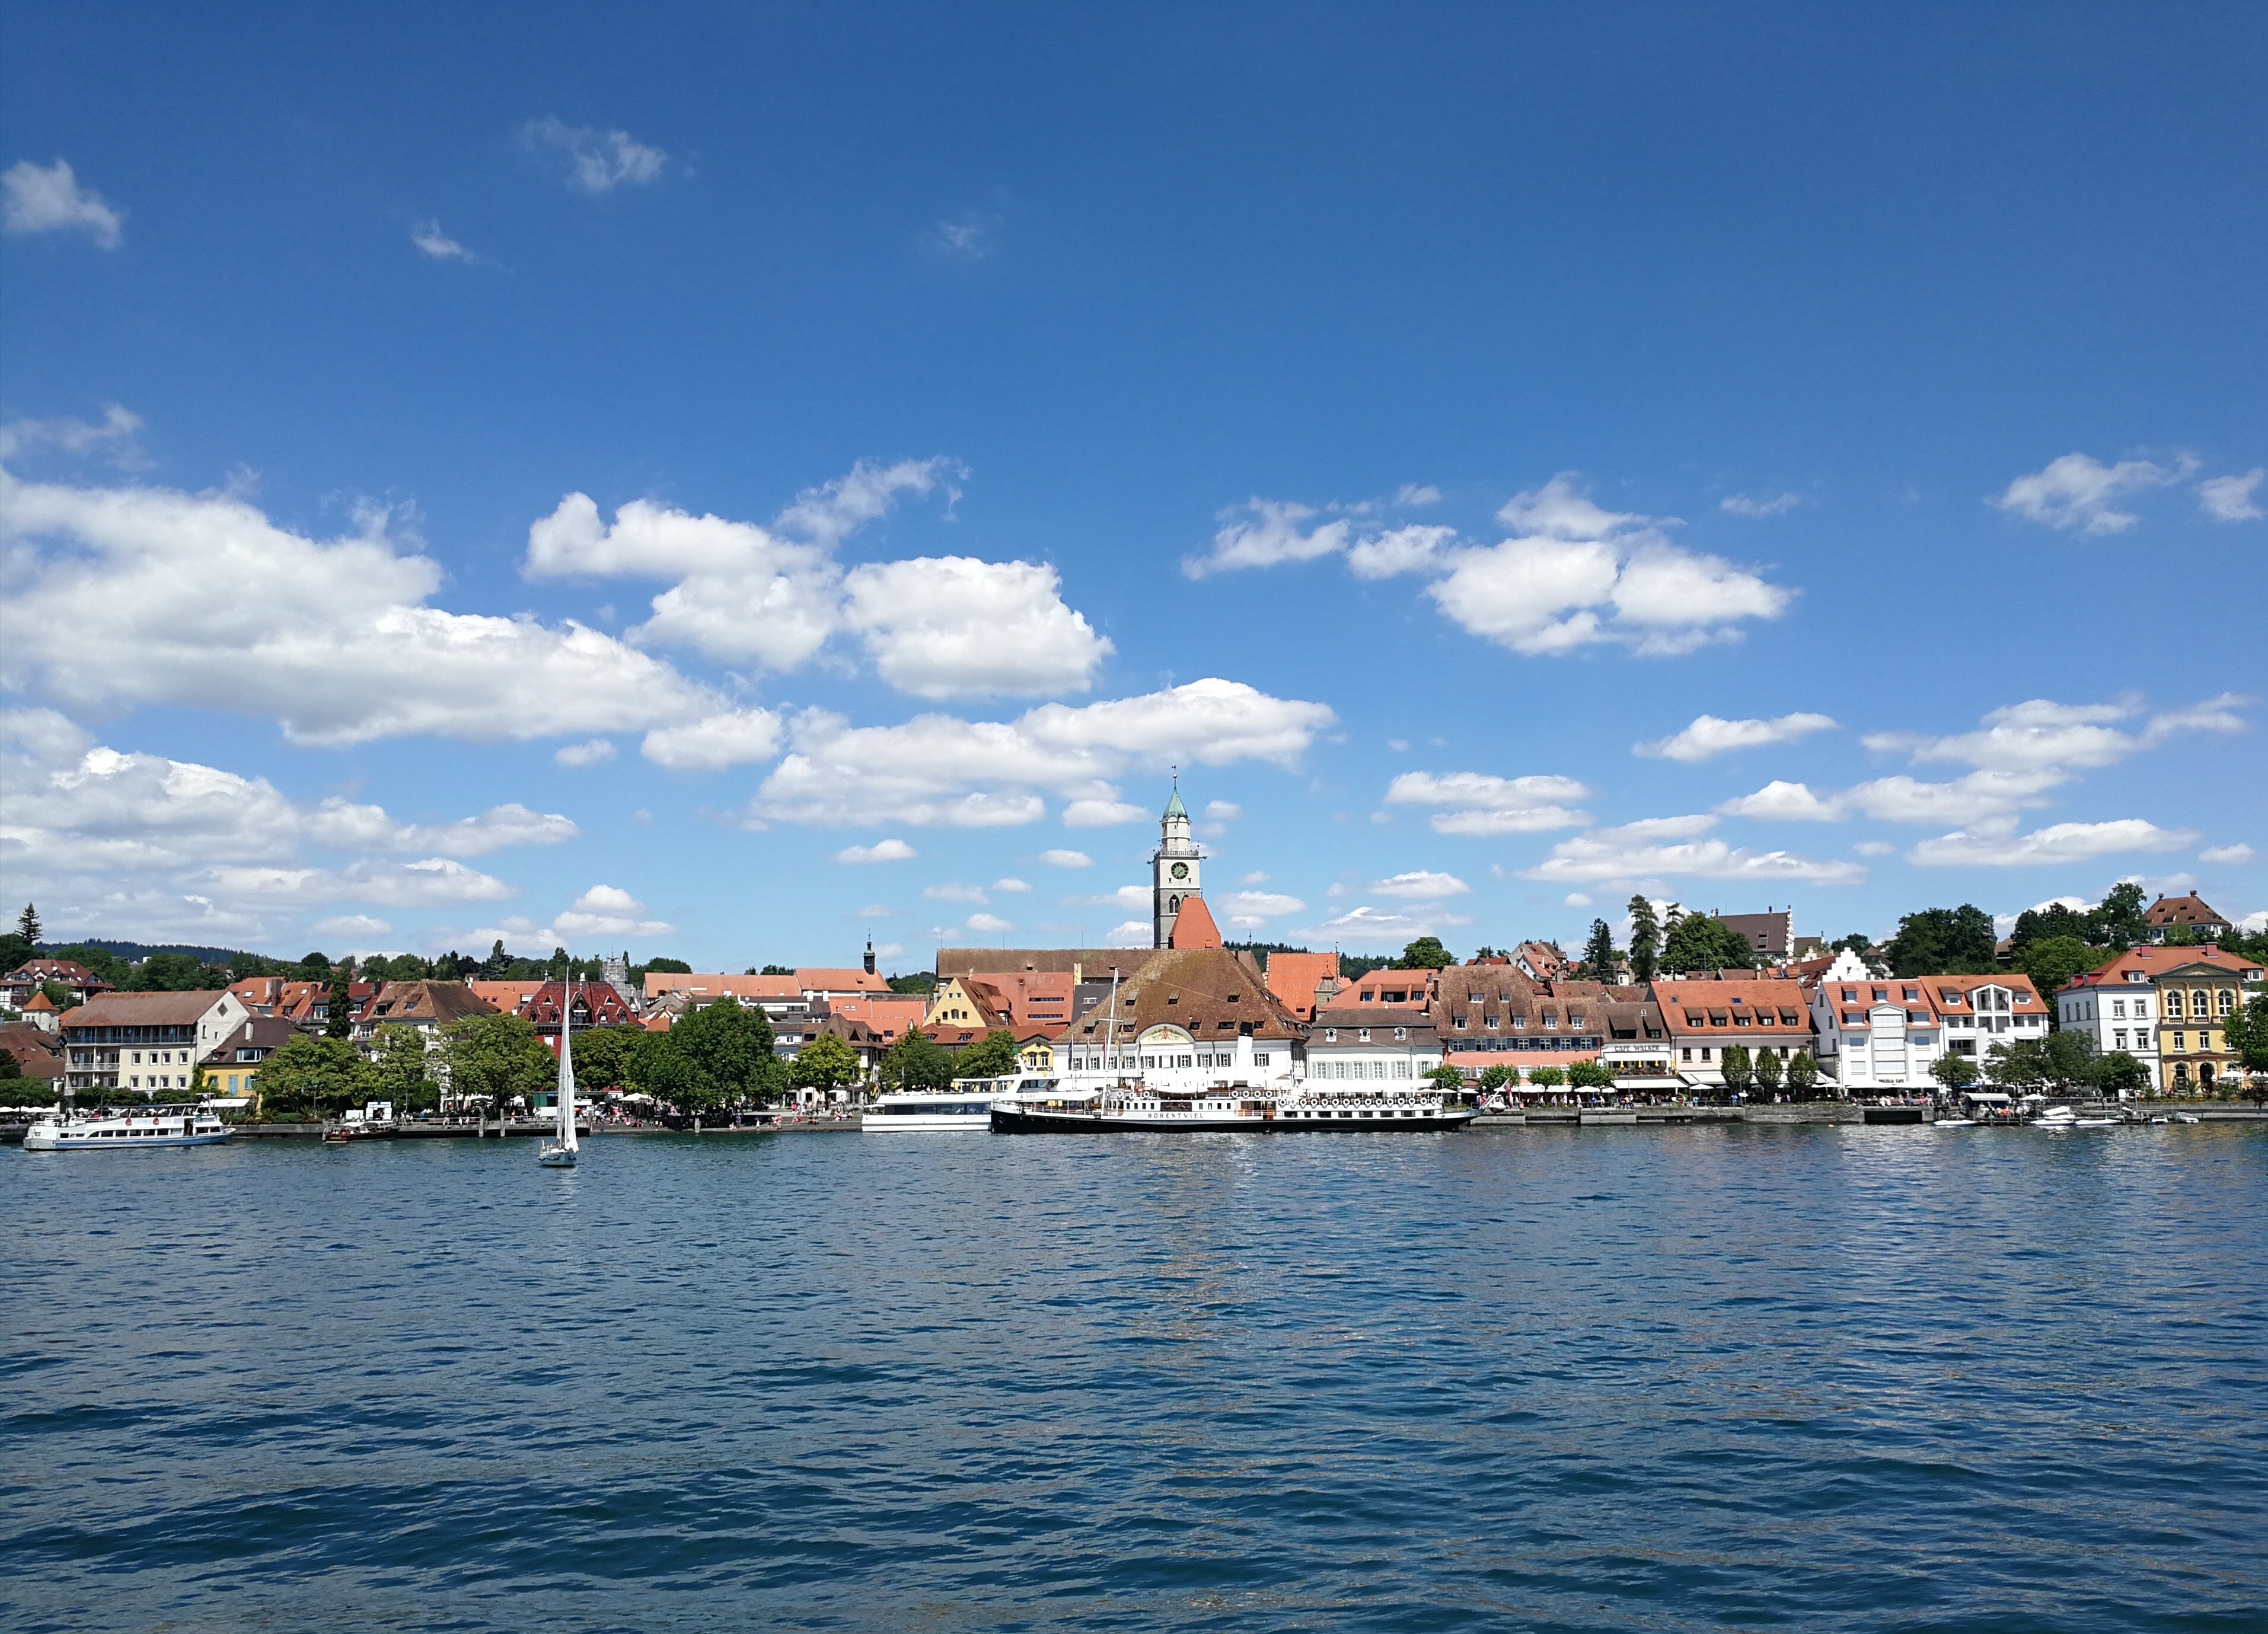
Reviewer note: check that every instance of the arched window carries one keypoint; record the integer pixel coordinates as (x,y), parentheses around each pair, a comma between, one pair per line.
(2181,1072)
(2174,1004)
(1173,904)
(2227,1000)
(2198,1004)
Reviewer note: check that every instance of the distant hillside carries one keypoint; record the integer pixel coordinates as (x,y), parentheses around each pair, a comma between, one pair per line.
(134,952)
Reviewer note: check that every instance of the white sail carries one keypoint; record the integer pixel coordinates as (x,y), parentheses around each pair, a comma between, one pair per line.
(567,1065)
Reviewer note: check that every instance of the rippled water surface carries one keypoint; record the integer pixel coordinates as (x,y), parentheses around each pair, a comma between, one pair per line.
(1619,1379)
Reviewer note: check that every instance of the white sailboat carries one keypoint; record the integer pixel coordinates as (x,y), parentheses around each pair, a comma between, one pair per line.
(559,1153)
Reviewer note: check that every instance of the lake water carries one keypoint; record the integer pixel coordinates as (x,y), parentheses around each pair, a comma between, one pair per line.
(1618,1378)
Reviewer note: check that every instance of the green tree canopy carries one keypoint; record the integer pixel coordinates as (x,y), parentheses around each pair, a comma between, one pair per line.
(2121,1076)
(2069,1060)
(400,1071)
(602,1058)
(1427,954)
(1769,1072)
(2051,962)
(1944,941)
(1449,1079)
(1703,942)
(1645,939)
(1599,952)
(313,1078)
(2020,1068)
(1496,1076)
(669,966)
(27,924)
(656,1066)
(1590,1075)
(915,1063)
(1954,1072)
(995,1055)
(495,1058)
(2121,916)
(1549,1077)
(2248,1037)
(826,1063)
(1737,1070)
(728,1045)
(1802,1075)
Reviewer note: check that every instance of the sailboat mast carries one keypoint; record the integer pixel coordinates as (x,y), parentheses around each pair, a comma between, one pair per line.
(567,1062)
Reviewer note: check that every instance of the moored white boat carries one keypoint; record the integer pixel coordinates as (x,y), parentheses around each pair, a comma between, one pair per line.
(1134,1104)
(1954,1123)
(967,1105)
(559,1153)
(118,1130)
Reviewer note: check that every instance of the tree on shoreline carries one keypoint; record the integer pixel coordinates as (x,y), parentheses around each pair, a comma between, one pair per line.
(1736,1069)
(1646,940)
(1768,1072)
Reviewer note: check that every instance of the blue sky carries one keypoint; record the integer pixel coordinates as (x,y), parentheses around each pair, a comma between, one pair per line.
(576,474)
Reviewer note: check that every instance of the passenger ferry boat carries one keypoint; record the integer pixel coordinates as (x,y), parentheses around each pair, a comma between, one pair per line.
(1133,1105)
(105,1129)
(968,1105)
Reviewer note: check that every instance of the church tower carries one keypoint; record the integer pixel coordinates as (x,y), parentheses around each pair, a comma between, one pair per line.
(1173,869)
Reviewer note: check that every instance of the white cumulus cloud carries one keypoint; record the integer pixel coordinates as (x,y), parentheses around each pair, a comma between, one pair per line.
(880,851)
(597,752)
(728,737)
(1997,844)
(1378,927)
(1480,803)
(436,245)
(597,161)
(939,770)
(1709,735)
(1664,848)
(146,595)
(2229,498)
(1421,887)
(2226,854)
(952,627)
(2078,491)
(1060,858)
(33,199)
(1746,505)
(987,924)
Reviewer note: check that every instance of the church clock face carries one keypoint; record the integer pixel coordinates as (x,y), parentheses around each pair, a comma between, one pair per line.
(1181,871)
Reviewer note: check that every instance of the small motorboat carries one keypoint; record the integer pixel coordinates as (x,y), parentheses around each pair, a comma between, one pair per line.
(2055,1118)
(1952,1123)
(2187,1117)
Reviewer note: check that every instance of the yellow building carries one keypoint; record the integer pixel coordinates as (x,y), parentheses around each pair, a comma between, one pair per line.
(2195,999)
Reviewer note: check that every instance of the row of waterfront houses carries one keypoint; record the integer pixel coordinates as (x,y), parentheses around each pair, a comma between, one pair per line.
(1199,1011)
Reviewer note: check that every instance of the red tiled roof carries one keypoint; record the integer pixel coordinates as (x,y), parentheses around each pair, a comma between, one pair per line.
(1292,978)
(1193,926)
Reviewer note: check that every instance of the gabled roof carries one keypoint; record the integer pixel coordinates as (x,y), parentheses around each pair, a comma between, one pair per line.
(1211,992)
(2169,911)
(1766,1001)
(816,980)
(2150,963)
(145,1009)
(431,1003)
(1193,926)
(1090,963)
(708,986)
(1415,983)
(1293,977)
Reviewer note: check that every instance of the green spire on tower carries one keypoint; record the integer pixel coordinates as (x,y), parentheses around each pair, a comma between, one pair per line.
(1173,806)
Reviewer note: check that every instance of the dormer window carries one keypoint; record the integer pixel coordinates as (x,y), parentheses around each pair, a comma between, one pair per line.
(1330,1035)
(1362,1035)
